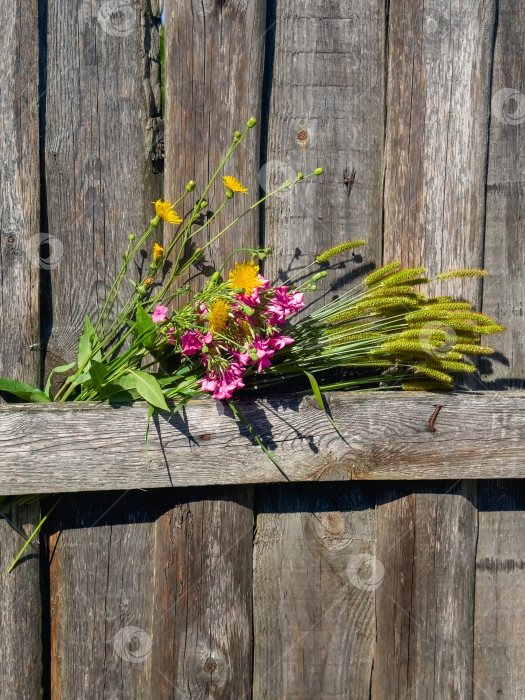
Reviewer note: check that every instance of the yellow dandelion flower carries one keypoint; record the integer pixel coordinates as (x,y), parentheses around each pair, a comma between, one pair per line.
(218,316)
(233,184)
(165,211)
(245,276)
(157,252)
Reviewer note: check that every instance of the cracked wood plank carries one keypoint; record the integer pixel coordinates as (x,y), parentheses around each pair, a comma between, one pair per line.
(80,447)
(20,600)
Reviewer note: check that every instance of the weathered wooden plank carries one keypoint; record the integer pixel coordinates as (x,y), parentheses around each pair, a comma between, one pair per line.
(436,148)
(202,623)
(314,581)
(425,601)
(383,436)
(499,669)
(324,107)
(20,607)
(214,70)
(102,111)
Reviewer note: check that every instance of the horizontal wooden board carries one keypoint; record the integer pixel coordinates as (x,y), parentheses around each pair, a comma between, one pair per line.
(84,447)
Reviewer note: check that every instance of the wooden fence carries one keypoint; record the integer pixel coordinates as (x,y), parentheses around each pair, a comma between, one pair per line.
(241,589)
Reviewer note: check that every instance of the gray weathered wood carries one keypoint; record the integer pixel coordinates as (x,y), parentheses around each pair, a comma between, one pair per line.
(425,601)
(499,669)
(202,619)
(79,447)
(324,106)
(214,69)
(20,608)
(438,96)
(314,616)
(102,107)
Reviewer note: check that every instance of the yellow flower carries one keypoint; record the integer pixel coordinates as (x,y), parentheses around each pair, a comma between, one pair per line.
(165,211)
(157,252)
(233,184)
(245,276)
(218,316)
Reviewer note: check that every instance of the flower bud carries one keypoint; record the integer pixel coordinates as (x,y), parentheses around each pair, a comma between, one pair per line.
(229,194)
(300,176)
(252,121)
(237,135)
(190,186)
(204,203)
(214,278)
(132,236)
(312,287)
(318,171)
(318,276)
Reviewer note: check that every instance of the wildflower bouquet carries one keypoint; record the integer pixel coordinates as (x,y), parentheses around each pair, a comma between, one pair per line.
(234,335)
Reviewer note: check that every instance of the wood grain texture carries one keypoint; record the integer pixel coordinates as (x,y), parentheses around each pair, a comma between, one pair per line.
(438,100)
(92,446)
(214,64)
(214,69)
(102,103)
(314,581)
(325,83)
(20,606)
(500,591)
(424,604)
(202,618)
(324,106)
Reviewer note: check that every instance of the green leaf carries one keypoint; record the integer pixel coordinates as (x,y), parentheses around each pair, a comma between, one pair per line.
(58,370)
(149,388)
(76,379)
(318,396)
(145,328)
(121,390)
(151,411)
(98,373)
(24,391)
(84,344)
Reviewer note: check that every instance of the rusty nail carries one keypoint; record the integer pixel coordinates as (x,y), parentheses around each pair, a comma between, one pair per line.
(433,417)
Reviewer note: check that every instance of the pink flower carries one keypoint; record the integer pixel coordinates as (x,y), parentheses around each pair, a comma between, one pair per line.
(277,342)
(159,314)
(225,384)
(264,353)
(192,341)
(283,305)
(170,335)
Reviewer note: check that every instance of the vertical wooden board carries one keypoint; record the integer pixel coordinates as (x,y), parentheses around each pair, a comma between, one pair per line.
(102,568)
(20,624)
(436,136)
(499,625)
(202,619)
(500,592)
(324,106)
(102,106)
(315,573)
(438,93)
(214,68)
(102,100)
(426,541)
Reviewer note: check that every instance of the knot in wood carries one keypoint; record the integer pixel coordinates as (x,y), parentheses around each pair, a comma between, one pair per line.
(302,136)
(210,665)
